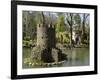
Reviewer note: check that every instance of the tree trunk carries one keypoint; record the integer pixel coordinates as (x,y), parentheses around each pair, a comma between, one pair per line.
(43,18)
(71,41)
(83,28)
(26,17)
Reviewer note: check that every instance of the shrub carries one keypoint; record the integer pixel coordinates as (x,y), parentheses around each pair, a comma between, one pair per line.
(27,38)
(27,43)
(62,37)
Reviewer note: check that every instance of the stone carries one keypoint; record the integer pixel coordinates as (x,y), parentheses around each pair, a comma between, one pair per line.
(45,51)
(55,54)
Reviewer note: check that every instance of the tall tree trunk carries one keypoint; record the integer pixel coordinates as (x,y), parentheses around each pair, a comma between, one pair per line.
(83,28)
(43,18)
(31,26)
(26,17)
(71,41)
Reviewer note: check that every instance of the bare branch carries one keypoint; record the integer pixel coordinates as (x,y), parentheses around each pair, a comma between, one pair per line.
(86,16)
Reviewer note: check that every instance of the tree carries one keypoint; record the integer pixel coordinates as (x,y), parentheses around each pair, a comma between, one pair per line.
(85,16)
(39,17)
(60,27)
(25,22)
(77,21)
(60,24)
(70,21)
(29,24)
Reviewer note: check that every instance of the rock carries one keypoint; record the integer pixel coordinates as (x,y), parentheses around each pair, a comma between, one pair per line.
(55,54)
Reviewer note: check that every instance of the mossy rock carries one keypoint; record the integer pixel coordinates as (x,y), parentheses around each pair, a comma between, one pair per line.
(47,55)
(41,54)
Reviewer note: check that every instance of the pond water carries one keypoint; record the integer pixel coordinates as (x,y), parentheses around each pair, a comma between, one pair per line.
(76,57)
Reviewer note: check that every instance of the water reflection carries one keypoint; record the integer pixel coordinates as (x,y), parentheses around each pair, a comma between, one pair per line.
(76,57)
(73,57)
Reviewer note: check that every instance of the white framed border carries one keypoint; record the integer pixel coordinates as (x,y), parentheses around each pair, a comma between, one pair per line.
(21,71)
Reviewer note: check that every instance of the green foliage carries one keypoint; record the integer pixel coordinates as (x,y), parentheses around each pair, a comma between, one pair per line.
(38,18)
(60,27)
(27,43)
(77,19)
(27,38)
(77,22)
(70,19)
(62,37)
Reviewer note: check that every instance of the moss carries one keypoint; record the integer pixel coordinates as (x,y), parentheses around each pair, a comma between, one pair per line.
(29,62)
(27,43)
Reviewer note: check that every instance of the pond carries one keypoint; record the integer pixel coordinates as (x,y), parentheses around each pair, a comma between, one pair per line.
(76,57)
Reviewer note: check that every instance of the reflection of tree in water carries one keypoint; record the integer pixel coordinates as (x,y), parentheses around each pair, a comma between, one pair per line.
(78,56)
